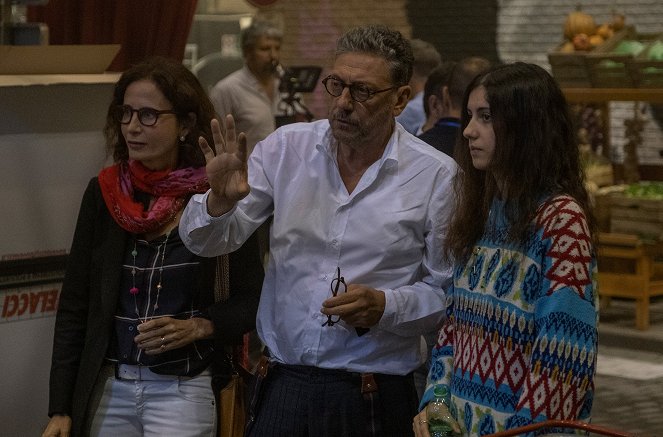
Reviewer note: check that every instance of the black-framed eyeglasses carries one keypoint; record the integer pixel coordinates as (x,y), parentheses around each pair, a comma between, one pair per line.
(337,284)
(359,92)
(146,116)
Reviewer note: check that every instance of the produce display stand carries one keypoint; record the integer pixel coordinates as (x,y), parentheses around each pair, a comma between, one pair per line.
(630,270)
(645,279)
(568,424)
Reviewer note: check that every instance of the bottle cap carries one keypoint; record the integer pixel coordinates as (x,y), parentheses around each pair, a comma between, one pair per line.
(441,391)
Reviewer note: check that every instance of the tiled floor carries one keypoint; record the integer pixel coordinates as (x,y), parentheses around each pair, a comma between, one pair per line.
(629,383)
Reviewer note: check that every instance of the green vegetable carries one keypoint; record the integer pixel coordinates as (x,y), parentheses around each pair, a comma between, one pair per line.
(655,51)
(645,190)
(628,47)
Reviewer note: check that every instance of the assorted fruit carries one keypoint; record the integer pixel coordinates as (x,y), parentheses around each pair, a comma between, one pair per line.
(581,32)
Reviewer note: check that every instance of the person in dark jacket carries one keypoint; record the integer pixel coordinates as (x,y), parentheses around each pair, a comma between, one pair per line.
(444,99)
(139,334)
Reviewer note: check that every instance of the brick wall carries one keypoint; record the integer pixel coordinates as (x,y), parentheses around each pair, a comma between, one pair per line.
(311,28)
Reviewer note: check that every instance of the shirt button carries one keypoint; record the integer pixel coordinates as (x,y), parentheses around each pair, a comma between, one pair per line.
(131,328)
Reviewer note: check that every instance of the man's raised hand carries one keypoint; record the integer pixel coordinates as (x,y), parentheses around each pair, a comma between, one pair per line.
(227,169)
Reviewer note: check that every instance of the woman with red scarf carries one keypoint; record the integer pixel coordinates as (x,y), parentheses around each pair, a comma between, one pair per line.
(139,336)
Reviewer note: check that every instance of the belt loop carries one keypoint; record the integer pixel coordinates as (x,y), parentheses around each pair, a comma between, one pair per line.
(263,367)
(369,391)
(368,384)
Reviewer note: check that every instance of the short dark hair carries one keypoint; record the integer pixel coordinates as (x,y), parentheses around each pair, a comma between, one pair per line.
(256,29)
(426,57)
(384,42)
(436,80)
(462,74)
(182,89)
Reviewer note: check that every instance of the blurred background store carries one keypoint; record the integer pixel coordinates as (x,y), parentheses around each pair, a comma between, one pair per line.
(52,108)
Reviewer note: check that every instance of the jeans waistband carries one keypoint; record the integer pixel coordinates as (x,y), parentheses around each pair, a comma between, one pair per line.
(140,373)
(129,372)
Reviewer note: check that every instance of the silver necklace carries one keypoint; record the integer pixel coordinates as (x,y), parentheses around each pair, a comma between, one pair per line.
(161,250)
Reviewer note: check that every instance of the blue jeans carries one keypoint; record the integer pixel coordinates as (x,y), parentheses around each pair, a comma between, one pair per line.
(176,406)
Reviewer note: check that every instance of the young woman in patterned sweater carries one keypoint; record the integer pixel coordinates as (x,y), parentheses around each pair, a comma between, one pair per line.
(520,339)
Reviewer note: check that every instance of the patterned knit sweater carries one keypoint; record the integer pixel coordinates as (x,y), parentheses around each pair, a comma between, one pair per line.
(519,342)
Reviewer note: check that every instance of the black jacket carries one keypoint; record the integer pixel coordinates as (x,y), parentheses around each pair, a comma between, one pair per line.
(89,297)
(443,135)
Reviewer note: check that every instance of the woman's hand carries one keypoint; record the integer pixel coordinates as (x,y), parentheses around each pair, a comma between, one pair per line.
(420,422)
(227,169)
(165,333)
(58,426)
(420,425)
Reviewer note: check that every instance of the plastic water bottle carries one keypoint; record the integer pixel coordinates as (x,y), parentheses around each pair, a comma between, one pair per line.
(437,413)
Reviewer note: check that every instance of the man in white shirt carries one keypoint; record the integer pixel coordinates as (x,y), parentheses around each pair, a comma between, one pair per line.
(356,273)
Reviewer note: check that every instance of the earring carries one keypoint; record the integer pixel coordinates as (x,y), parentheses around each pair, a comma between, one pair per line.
(182,138)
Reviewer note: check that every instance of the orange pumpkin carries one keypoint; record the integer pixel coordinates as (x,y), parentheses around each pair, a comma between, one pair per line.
(578,22)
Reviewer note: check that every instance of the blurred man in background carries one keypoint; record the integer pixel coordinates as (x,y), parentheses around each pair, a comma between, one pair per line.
(426,58)
(251,94)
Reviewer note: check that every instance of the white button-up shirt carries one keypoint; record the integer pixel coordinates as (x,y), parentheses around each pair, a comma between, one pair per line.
(386,234)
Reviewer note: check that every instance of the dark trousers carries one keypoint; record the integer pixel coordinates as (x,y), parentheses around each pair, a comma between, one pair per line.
(302,401)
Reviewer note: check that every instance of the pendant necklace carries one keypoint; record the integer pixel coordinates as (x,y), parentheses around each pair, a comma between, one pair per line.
(161,249)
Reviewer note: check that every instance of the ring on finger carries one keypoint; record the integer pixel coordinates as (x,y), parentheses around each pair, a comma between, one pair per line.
(422,421)
(163,339)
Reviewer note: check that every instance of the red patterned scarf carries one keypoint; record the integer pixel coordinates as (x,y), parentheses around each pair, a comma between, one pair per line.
(169,187)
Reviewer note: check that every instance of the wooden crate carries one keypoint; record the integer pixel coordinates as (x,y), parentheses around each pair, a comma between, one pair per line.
(602,203)
(569,69)
(638,216)
(608,69)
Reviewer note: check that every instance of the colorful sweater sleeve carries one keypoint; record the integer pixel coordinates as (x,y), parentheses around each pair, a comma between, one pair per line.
(441,360)
(559,384)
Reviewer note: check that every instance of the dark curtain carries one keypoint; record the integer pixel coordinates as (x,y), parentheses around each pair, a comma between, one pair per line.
(142,27)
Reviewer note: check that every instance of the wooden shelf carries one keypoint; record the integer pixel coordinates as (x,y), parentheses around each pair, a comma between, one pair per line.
(586,95)
(629,268)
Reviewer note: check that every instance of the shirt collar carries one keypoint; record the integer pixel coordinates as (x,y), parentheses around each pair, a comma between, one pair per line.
(389,158)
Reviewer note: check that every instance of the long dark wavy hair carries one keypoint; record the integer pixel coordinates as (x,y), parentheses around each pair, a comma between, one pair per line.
(536,156)
(183,91)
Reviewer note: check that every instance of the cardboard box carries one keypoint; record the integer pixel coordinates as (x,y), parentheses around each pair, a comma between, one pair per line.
(56,59)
